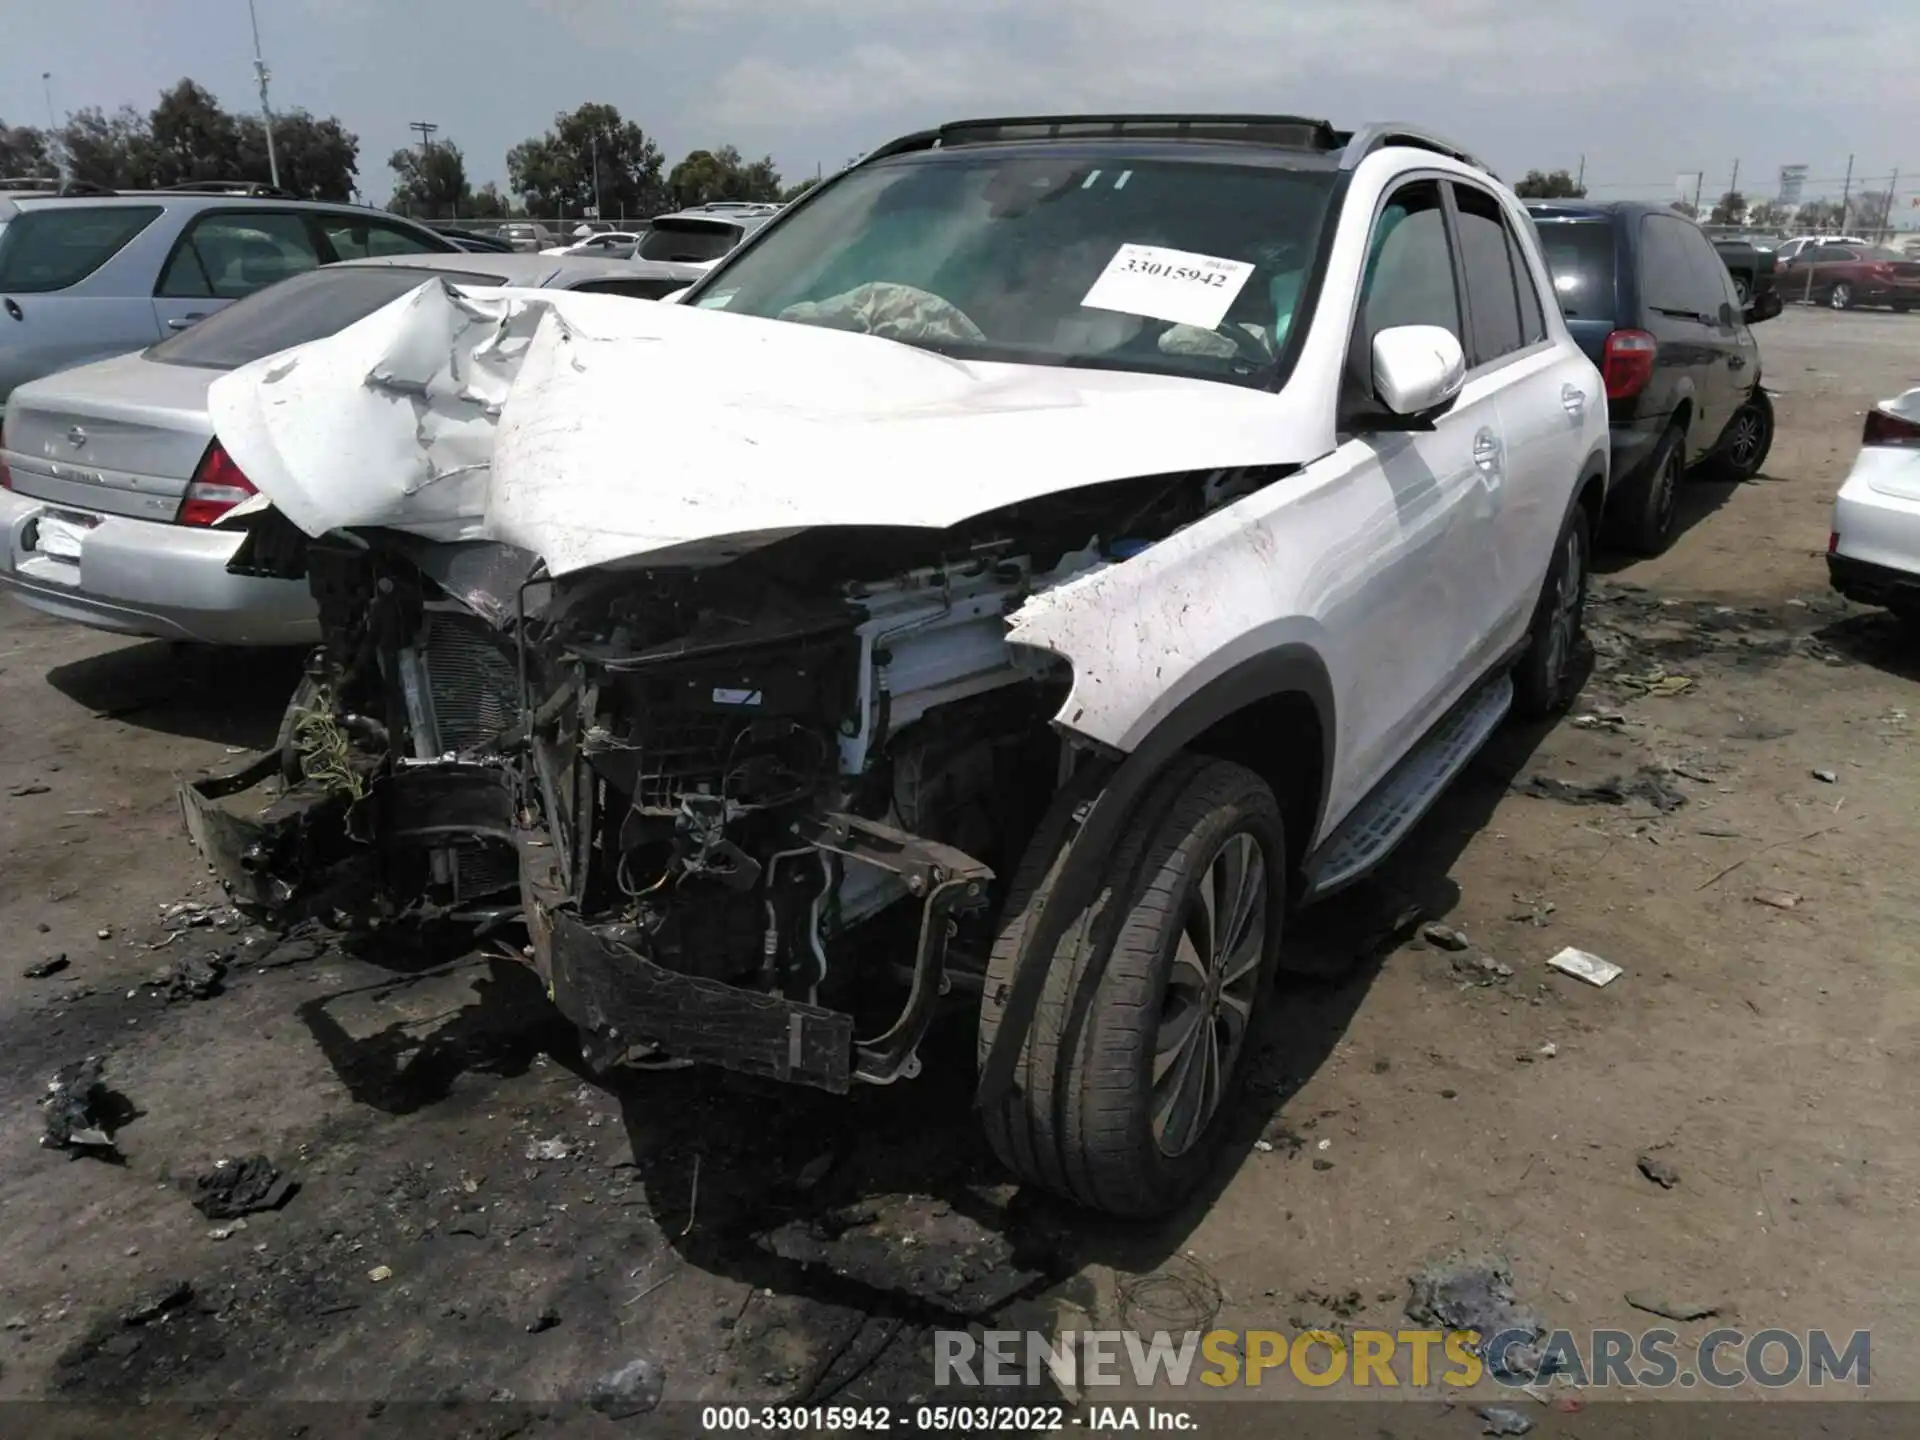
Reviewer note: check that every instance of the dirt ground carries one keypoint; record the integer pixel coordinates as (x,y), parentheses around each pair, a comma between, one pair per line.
(477,1218)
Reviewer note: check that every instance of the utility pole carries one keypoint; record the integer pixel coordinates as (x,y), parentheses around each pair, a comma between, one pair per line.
(46,83)
(594,144)
(1733,187)
(1846,192)
(266,111)
(1886,220)
(425,129)
(1580,180)
(1699,184)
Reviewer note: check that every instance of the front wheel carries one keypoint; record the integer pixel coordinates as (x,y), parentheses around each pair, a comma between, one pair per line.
(1841,296)
(1125,1082)
(1749,438)
(1545,678)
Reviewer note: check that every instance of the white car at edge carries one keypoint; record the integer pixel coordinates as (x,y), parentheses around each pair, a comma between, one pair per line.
(1873,552)
(1081,539)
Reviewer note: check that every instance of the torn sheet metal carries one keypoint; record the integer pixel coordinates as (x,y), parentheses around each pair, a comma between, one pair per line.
(589,429)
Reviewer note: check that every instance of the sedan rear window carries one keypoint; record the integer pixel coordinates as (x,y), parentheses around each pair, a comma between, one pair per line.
(688,241)
(1580,257)
(49,249)
(307,307)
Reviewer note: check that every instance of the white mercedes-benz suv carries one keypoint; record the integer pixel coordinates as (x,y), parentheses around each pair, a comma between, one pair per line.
(1026,569)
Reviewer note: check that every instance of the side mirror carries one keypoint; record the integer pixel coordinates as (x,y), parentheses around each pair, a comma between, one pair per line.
(1418,370)
(1764,306)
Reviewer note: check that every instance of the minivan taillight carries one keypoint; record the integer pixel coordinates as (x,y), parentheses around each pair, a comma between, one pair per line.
(218,485)
(1628,364)
(1883,427)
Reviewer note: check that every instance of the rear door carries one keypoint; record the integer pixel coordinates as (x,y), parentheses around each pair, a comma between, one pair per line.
(1688,365)
(1737,365)
(50,319)
(1542,396)
(225,255)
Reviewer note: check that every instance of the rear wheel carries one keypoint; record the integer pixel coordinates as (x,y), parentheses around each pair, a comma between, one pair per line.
(1126,1079)
(1544,679)
(1841,296)
(1642,514)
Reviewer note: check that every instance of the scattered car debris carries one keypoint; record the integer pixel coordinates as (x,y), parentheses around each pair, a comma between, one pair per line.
(1537,913)
(226,1232)
(1477,1297)
(1646,784)
(379,1273)
(1610,720)
(544,1321)
(1500,1420)
(633,1389)
(1265,1147)
(155,1303)
(1826,777)
(1585,966)
(1482,969)
(76,1106)
(1777,899)
(1655,1303)
(554,1149)
(20,792)
(52,965)
(233,1188)
(1658,1171)
(1548,1050)
(1653,682)
(189,980)
(1444,936)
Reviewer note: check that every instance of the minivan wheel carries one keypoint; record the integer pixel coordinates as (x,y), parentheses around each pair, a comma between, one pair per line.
(1749,437)
(1544,680)
(1841,296)
(1642,515)
(1126,1081)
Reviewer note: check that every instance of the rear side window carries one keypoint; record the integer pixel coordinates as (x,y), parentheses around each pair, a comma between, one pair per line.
(308,307)
(1668,278)
(1493,301)
(227,255)
(1579,256)
(52,248)
(1533,318)
(688,241)
(1710,268)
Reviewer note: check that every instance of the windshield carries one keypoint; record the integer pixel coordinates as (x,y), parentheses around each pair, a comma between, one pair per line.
(1179,266)
(691,241)
(307,307)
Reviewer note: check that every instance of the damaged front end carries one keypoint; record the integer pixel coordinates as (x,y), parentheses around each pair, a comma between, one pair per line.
(750,813)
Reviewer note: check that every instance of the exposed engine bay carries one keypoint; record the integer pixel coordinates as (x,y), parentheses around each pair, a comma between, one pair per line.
(751,813)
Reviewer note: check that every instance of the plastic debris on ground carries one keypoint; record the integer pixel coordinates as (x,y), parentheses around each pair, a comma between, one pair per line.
(233,1188)
(1646,784)
(76,1106)
(1585,966)
(633,1389)
(1479,1297)
(1500,1420)
(189,980)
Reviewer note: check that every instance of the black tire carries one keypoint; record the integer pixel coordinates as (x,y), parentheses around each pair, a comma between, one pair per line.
(1548,673)
(1741,291)
(1081,1118)
(1747,440)
(1840,297)
(1640,516)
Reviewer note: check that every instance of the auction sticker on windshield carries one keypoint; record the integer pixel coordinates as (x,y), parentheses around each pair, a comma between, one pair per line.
(1175,285)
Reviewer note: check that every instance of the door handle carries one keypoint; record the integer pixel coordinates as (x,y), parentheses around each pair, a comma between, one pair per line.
(1574,400)
(183,321)
(1486,451)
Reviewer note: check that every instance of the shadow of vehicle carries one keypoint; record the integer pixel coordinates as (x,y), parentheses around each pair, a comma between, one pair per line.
(1876,638)
(1700,497)
(199,692)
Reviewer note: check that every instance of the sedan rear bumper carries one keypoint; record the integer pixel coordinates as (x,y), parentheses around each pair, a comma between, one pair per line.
(139,577)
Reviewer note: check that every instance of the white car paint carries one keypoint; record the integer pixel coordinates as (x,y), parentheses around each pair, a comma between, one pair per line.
(1876,515)
(1410,562)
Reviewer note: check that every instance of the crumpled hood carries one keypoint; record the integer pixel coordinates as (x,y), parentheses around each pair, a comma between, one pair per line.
(590,429)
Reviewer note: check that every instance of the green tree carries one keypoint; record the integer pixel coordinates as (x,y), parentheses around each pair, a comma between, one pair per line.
(1554,185)
(554,173)
(794,192)
(1729,209)
(193,138)
(1819,215)
(1766,215)
(489,204)
(25,150)
(1867,211)
(707,175)
(318,158)
(112,150)
(430,182)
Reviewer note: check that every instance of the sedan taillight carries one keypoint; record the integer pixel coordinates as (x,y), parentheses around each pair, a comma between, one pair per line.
(1883,427)
(218,485)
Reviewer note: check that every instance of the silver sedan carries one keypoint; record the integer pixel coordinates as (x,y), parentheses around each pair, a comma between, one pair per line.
(111,479)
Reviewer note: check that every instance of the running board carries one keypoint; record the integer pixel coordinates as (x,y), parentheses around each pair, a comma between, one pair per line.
(1385,816)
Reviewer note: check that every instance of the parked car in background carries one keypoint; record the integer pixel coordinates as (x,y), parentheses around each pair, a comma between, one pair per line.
(701,236)
(1790,248)
(1752,267)
(113,479)
(87,276)
(474,238)
(1873,552)
(527,235)
(1844,276)
(609,244)
(1176,528)
(1650,300)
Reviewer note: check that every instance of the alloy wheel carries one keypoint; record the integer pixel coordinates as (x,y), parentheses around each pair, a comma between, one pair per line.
(1563,627)
(1841,298)
(1744,444)
(1208,1005)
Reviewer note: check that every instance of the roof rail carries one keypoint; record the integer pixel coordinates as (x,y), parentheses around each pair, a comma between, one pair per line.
(41,185)
(1377,136)
(1297,132)
(252,188)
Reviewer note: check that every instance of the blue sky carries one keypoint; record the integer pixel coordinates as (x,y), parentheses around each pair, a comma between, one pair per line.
(1644,88)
